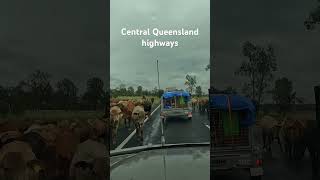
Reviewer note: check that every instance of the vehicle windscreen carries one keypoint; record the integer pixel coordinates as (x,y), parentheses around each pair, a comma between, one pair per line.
(144,69)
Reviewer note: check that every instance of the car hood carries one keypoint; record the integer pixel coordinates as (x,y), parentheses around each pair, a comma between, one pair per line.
(187,163)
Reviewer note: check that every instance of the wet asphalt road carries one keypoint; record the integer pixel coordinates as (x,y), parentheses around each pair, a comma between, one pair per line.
(175,131)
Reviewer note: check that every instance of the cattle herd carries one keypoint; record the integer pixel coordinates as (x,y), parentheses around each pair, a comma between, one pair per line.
(294,136)
(200,104)
(77,149)
(55,150)
(127,112)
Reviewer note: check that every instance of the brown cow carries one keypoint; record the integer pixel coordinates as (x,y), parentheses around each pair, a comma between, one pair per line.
(89,161)
(138,116)
(17,161)
(194,102)
(65,146)
(291,134)
(270,130)
(115,118)
(126,108)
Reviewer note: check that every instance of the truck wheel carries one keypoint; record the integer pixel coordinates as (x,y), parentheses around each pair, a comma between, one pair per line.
(256,177)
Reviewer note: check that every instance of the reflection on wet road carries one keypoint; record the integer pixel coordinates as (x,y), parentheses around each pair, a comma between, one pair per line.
(176,130)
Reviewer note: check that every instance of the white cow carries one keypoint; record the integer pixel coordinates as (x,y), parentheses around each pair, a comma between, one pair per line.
(138,116)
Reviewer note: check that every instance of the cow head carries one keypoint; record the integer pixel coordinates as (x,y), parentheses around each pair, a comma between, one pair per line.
(115,115)
(137,112)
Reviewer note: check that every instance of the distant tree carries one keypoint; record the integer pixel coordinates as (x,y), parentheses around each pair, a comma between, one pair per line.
(155,91)
(123,90)
(283,95)
(191,83)
(313,18)
(95,92)
(130,91)
(139,91)
(25,94)
(161,91)
(17,100)
(207,67)
(114,93)
(259,69)
(199,91)
(146,92)
(66,93)
(41,89)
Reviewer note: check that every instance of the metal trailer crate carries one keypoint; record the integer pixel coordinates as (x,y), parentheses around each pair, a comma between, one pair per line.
(235,151)
(219,139)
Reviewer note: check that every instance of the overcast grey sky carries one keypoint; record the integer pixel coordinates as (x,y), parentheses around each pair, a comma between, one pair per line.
(134,65)
(274,21)
(63,38)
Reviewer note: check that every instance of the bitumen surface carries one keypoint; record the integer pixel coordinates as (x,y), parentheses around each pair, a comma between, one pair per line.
(175,130)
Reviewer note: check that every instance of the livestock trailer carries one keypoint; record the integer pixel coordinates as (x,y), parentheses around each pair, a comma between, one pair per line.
(235,142)
(176,104)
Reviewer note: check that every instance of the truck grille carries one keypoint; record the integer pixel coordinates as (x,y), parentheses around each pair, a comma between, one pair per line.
(218,135)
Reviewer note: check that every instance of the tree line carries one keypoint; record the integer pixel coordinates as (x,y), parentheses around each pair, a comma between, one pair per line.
(122,90)
(37,92)
(190,83)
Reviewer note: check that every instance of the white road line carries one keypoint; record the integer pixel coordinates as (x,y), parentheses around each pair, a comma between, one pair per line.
(134,132)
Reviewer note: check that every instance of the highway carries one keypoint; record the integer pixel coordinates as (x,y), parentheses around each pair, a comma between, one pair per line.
(176,130)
